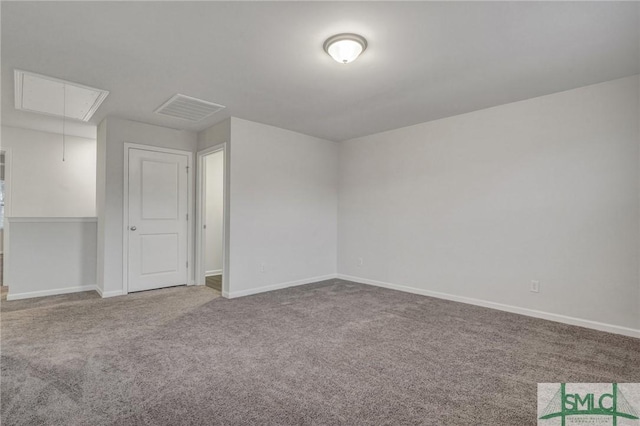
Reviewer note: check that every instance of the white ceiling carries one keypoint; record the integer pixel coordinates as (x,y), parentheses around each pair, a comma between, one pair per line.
(265,61)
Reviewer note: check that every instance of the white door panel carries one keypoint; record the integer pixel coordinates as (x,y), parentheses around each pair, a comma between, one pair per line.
(160,190)
(158,227)
(159,253)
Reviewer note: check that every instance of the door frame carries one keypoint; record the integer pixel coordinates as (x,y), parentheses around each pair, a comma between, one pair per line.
(6,243)
(125,209)
(200,270)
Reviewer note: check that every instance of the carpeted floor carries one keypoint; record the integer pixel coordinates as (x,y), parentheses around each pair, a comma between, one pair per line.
(329,353)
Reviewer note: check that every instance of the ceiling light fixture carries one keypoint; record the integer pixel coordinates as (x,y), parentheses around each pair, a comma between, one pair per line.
(345,48)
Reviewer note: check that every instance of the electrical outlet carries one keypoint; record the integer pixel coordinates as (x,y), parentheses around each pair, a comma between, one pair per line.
(360,261)
(263,267)
(535,286)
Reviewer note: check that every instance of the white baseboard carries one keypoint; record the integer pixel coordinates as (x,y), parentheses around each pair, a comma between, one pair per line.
(213,273)
(52,292)
(626,331)
(241,293)
(111,293)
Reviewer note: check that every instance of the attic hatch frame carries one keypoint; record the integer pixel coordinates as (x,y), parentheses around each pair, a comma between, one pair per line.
(19,94)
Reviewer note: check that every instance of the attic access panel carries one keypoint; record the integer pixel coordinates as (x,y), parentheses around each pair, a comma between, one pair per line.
(53,96)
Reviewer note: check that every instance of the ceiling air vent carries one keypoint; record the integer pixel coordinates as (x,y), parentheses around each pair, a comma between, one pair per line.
(188,108)
(52,96)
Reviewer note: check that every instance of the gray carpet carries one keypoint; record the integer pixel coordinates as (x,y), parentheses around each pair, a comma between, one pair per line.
(328,353)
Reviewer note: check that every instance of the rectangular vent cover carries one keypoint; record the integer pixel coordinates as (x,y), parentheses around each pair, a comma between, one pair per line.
(188,108)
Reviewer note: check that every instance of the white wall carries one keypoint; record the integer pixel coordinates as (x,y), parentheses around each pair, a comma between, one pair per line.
(214,165)
(42,185)
(480,204)
(51,256)
(113,133)
(283,200)
(56,252)
(215,135)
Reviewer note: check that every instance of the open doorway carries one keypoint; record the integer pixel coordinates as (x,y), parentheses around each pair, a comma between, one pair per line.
(211,218)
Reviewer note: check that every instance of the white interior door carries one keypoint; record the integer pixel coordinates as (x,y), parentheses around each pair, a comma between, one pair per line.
(157,220)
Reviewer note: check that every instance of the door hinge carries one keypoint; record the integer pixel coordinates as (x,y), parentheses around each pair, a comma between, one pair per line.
(187,169)
(187,264)
(187,216)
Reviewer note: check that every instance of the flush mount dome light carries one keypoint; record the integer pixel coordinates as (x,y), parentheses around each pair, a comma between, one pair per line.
(345,48)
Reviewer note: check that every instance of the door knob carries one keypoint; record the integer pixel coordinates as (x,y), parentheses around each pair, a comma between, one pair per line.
(133,228)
